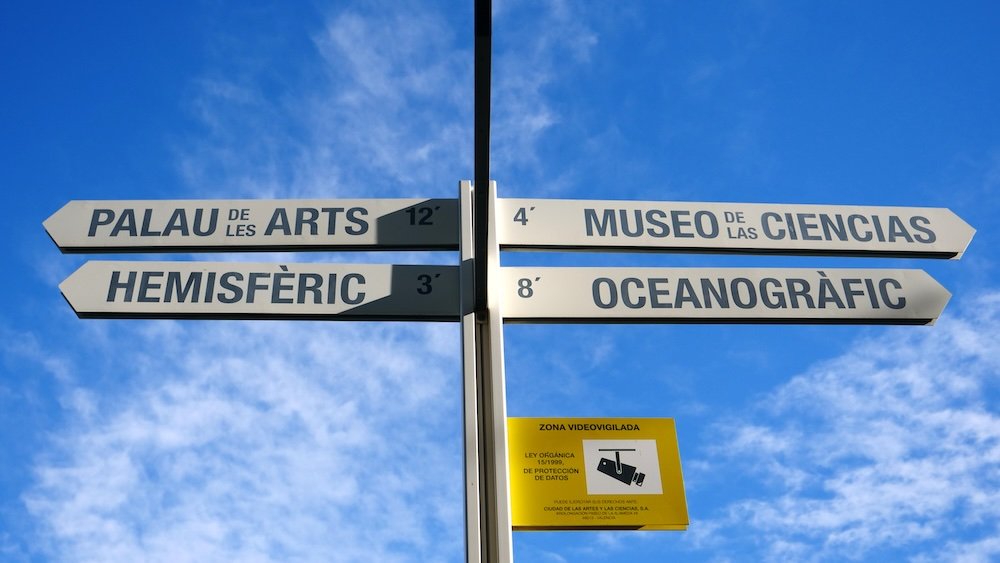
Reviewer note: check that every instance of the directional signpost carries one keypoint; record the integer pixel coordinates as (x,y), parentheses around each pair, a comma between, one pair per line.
(484,295)
(569,473)
(756,228)
(244,225)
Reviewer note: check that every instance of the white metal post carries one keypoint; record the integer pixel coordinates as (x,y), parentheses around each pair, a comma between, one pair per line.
(488,522)
(470,387)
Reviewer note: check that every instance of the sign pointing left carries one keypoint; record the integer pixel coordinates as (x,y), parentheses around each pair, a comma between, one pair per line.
(245,225)
(240,290)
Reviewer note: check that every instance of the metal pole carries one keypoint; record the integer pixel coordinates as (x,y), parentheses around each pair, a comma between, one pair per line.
(488,533)
(470,385)
(481,141)
(494,402)
(482,330)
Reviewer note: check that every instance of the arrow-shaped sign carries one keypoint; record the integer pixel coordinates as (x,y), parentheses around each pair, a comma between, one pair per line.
(921,232)
(242,225)
(720,295)
(239,290)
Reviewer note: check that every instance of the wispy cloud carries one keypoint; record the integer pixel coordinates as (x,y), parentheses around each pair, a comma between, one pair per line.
(268,441)
(548,39)
(386,108)
(893,446)
(400,98)
(379,106)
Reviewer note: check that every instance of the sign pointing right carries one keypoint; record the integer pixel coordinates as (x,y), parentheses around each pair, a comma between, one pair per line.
(665,226)
(720,295)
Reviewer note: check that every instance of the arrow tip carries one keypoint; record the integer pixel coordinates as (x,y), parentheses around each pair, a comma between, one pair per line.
(53,223)
(963,230)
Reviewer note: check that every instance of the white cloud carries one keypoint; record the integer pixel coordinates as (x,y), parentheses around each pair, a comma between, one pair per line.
(529,55)
(260,442)
(387,108)
(892,446)
(399,99)
(379,107)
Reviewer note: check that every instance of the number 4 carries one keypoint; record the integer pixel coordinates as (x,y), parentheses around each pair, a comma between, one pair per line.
(522,215)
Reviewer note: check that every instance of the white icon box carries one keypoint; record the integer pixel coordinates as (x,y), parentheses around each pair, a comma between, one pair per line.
(622,467)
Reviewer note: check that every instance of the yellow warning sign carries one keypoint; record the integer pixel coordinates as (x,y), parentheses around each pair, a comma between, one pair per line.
(595,474)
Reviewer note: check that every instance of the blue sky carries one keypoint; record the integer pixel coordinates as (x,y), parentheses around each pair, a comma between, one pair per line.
(312,441)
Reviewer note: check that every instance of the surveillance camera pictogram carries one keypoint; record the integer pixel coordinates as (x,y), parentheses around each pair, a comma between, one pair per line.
(622,467)
(621,471)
